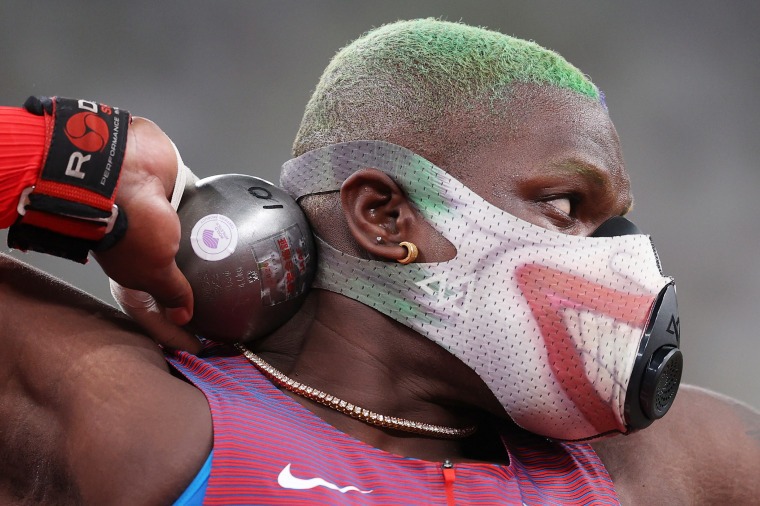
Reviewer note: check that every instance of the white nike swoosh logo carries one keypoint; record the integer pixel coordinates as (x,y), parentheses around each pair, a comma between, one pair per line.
(287,480)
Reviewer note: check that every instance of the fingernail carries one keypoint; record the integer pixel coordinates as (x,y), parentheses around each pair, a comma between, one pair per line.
(178,315)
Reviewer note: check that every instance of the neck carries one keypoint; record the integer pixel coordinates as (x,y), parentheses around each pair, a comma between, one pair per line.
(351,351)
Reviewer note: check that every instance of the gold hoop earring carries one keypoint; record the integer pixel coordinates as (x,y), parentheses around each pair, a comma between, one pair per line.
(411,252)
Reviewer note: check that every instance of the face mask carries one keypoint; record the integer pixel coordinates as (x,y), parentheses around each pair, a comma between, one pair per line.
(577,337)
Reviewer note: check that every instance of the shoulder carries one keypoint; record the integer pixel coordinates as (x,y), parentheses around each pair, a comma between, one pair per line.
(706,450)
(88,406)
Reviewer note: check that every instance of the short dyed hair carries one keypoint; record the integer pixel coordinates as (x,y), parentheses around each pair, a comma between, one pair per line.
(402,82)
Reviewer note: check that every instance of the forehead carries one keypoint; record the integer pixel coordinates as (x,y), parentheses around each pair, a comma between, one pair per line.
(541,131)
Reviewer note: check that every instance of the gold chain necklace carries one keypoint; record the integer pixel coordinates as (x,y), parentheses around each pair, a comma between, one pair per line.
(352,410)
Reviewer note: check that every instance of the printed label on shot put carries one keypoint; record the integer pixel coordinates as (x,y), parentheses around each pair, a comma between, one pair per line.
(214,237)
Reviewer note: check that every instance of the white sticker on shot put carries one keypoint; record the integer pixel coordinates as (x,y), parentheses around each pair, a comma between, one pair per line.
(214,237)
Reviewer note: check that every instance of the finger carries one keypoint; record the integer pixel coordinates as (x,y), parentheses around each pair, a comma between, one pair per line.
(172,290)
(168,334)
(144,309)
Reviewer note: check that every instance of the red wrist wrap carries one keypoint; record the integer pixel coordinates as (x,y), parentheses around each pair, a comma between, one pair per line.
(70,210)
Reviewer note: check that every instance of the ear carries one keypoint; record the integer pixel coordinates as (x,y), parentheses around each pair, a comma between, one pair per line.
(378,213)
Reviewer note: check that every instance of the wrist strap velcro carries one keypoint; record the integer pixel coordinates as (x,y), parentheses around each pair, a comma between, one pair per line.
(74,195)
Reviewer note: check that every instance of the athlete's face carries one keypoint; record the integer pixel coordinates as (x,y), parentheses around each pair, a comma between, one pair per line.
(556,163)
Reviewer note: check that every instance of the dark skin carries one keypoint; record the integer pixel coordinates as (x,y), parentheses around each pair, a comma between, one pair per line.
(154,229)
(88,408)
(88,402)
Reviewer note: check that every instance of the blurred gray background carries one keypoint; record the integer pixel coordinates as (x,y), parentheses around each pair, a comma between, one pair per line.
(228,81)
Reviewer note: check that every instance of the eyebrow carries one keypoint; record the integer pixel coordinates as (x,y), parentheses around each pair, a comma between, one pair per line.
(582,169)
(591,173)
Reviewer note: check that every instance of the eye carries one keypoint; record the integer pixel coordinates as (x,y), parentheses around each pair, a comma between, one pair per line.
(563,204)
(561,210)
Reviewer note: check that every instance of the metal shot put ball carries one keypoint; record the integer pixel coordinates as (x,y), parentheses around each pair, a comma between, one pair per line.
(248,252)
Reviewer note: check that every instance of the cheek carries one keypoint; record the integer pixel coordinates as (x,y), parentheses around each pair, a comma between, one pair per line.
(502,194)
(532,212)
(433,247)
(525,211)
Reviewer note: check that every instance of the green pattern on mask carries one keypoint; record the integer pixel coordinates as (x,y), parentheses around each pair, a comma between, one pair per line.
(423,186)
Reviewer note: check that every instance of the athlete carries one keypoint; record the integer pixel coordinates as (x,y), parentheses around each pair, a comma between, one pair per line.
(430,156)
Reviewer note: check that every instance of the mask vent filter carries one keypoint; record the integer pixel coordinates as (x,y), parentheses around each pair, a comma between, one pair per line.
(670,365)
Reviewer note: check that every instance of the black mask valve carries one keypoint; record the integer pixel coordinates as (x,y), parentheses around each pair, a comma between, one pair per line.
(659,363)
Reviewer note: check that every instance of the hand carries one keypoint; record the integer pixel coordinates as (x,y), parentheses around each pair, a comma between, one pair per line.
(144,309)
(144,258)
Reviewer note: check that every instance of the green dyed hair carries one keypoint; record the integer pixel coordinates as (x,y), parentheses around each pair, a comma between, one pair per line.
(405,81)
